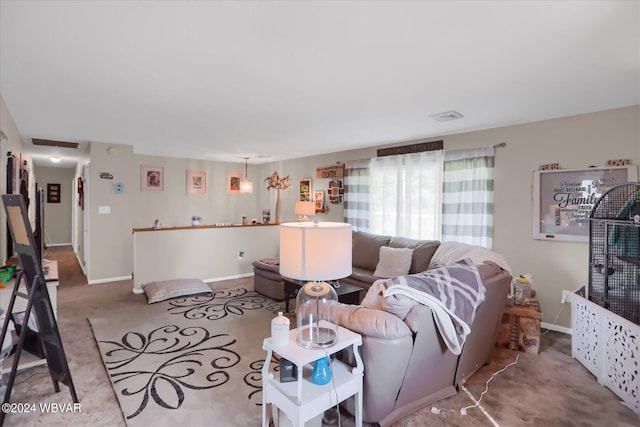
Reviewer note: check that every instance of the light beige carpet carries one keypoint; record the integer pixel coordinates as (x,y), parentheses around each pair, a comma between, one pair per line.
(188,360)
(549,389)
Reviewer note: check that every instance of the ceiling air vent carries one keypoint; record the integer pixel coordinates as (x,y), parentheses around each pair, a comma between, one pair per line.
(447,116)
(52,143)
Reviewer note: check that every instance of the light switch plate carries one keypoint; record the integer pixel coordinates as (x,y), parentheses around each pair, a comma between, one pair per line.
(118,187)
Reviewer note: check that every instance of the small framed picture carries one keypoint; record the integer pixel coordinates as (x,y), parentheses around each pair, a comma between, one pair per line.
(318,197)
(266,216)
(335,191)
(233,182)
(152,178)
(305,190)
(196,182)
(53,193)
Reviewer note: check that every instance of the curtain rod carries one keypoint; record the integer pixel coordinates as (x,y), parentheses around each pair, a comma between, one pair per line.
(500,145)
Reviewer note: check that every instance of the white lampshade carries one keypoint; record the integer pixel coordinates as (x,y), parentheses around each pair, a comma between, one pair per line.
(305,208)
(315,251)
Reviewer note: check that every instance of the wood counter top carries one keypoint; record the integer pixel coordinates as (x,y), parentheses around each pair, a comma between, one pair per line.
(196,227)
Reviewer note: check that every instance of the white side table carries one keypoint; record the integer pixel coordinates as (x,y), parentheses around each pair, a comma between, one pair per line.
(302,400)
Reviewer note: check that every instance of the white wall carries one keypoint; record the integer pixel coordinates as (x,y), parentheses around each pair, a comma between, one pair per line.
(206,253)
(574,142)
(111,254)
(174,207)
(13,144)
(57,216)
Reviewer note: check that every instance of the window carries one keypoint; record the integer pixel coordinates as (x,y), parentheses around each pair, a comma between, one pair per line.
(436,195)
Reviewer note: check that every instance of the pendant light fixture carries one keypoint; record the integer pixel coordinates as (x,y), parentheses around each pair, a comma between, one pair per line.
(246,186)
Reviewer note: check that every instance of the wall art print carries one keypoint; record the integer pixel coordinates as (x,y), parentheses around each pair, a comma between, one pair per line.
(563,199)
(53,193)
(233,182)
(152,178)
(197,182)
(305,190)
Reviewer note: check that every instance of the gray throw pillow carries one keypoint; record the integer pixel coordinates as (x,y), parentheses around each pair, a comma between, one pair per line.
(393,262)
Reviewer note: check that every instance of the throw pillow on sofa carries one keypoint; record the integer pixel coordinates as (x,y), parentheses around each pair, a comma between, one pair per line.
(393,262)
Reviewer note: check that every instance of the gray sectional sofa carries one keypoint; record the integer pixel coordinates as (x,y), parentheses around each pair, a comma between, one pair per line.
(365,258)
(407,363)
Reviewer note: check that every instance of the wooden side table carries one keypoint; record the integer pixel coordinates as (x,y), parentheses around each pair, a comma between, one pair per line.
(303,400)
(520,327)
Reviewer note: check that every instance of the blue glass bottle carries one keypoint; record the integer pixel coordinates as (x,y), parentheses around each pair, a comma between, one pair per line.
(321,374)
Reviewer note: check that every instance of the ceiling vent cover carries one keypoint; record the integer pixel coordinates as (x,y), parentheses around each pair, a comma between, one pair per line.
(447,116)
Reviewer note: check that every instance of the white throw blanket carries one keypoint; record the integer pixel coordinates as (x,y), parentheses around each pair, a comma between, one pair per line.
(453,293)
(450,252)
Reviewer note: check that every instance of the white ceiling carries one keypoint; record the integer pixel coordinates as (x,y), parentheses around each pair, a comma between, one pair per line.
(280,80)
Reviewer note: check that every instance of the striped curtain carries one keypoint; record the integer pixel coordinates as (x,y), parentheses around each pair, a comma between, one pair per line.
(467,207)
(356,194)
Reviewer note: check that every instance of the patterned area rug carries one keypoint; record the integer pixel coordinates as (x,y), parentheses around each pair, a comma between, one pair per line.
(190,360)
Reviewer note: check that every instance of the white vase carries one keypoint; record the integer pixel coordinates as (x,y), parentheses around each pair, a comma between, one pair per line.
(278,208)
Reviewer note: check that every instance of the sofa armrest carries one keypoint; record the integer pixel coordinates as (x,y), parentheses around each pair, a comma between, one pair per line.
(368,322)
(387,344)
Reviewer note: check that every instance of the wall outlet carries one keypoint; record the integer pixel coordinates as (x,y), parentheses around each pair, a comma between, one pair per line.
(566,297)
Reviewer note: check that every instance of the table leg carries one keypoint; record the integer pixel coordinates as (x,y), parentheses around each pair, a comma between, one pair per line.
(359,408)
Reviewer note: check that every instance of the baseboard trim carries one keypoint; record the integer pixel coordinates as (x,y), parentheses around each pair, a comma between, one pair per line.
(109,279)
(235,276)
(82,267)
(551,326)
(57,244)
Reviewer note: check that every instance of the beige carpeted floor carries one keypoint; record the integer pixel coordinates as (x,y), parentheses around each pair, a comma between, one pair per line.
(550,389)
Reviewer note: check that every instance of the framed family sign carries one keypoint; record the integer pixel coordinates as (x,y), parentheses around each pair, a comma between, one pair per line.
(563,199)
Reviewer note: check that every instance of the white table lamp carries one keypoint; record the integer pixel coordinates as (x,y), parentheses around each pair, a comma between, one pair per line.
(315,252)
(303,209)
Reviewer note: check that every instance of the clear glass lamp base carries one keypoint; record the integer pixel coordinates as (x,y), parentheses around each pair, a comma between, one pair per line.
(316,337)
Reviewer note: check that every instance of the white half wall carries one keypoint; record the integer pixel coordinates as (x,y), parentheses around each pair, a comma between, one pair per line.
(201,253)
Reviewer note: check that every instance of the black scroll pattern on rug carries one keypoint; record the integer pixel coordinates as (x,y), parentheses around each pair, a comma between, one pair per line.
(253,378)
(191,358)
(217,305)
(220,304)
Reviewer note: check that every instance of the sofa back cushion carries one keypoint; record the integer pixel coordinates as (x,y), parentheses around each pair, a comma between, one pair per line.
(366,249)
(393,262)
(423,251)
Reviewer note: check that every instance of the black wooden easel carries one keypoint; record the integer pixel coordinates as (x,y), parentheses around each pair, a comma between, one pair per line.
(38,302)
